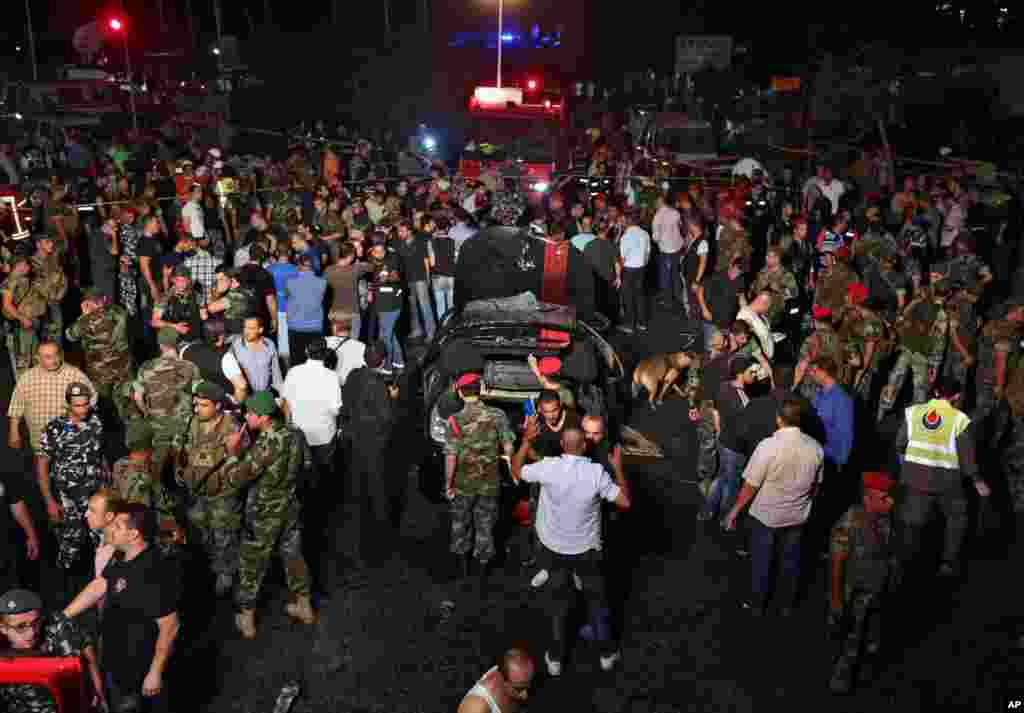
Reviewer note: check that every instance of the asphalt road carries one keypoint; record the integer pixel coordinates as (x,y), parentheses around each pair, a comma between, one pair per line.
(388,644)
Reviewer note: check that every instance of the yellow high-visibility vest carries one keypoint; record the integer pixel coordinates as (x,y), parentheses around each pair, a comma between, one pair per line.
(932,430)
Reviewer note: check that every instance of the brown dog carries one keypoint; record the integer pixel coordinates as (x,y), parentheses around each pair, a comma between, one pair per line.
(658,374)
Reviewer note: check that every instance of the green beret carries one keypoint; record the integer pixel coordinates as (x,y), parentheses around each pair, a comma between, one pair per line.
(261,403)
(167,336)
(209,391)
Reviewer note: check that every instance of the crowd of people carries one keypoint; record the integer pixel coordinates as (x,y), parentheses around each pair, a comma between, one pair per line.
(237,323)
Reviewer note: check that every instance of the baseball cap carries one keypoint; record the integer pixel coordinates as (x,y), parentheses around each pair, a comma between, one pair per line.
(19,601)
(138,435)
(77,390)
(167,336)
(261,403)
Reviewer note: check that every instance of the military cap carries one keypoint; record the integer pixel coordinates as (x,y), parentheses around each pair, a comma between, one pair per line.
(209,391)
(167,336)
(138,435)
(19,601)
(181,270)
(77,390)
(261,403)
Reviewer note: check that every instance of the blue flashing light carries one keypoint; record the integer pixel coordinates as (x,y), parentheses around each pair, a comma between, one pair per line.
(507,37)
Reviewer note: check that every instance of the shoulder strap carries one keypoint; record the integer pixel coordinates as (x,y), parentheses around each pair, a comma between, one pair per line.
(455,426)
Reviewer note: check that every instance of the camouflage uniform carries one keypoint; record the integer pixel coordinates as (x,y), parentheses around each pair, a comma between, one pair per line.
(783,286)
(707,450)
(241,303)
(963,320)
(924,334)
(861,326)
(22,341)
(49,279)
(273,464)
(136,482)
(821,342)
(475,436)
(215,510)
(128,277)
(59,636)
(178,308)
(866,541)
(75,453)
(732,243)
(1001,335)
(108,362)
(166,384)
(830,288)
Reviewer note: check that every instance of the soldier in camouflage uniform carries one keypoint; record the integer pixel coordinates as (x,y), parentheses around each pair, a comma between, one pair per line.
(862,335)
(831,283)
(103,331)
(179,308)
(963,333)
(23,307)
(779,281)
(214,508)
(472,443)
(135,481)
(822,341)
(270,469)
(999,348)
(732,239)
(923,332)
(70,469)
(236,301)
(862,566)
(49,280)
(27,629)
(162,390)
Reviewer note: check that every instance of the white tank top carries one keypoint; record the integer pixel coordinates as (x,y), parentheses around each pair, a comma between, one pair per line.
(480,690)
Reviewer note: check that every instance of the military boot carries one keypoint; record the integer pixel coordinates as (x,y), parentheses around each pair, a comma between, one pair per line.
(245,622)
(301,610)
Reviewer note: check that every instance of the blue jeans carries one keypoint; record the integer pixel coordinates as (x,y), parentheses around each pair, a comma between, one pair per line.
(766,544)
(420,308)
(392,347)
(668,273)
(727,486)
(444,294)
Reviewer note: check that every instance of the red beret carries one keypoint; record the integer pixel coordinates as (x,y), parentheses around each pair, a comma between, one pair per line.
(879,480)
(549,365)
(857,293)
(821,312)
(467,379)
(728,210)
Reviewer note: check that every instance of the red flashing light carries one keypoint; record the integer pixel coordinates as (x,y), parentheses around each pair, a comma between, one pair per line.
(116,24)
(547,104)
(531,85)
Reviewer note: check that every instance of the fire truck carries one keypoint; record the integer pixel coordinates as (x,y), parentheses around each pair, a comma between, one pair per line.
(517,131)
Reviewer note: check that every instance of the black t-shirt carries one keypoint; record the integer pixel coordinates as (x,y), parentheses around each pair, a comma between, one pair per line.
(151,247)
(11,493)
(721,295)
(139,591)
(548,443)
(413,253)
(259,279)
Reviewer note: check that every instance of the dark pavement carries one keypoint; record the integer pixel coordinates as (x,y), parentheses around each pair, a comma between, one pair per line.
(386,644)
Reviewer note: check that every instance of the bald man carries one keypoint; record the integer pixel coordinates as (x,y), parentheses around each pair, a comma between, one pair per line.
(568,517)
(503,688)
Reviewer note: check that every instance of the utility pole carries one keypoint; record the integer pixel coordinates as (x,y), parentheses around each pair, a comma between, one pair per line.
(387,16)
(190,17)
(31,42)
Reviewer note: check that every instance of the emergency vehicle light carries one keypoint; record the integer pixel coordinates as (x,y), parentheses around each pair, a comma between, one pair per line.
(498,96)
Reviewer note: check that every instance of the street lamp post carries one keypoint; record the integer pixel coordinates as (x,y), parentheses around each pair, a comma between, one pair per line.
(501,13)
(117,26)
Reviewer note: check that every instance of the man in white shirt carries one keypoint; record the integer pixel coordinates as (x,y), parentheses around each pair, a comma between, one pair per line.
(192,213)
(569,529)
(755,314)
(667,229)
(780,480)
(831,188)
(634,251)
(350,353)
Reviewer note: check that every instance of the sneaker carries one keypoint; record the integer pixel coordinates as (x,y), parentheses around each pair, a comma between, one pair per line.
(577,581)
(624,329)
(540,579)
(554,667)
(642,327)
(704,516)
(385,371)
(609,662)
(398,365)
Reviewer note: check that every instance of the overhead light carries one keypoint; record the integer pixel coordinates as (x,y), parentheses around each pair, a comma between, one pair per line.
(216,50)
(540,187)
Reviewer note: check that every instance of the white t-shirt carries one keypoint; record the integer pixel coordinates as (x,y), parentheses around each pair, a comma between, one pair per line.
(635,247)
(192,216)
(569,509)
(351,355)
(230,366)
(314,400)
(667,232)
(832,190)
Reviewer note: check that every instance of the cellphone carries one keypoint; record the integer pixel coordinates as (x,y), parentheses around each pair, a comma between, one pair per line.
(528,408)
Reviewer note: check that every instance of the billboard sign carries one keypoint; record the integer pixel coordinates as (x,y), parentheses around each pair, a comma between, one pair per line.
(695,52)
